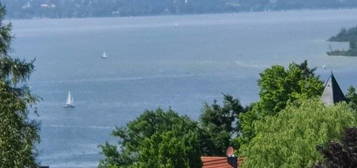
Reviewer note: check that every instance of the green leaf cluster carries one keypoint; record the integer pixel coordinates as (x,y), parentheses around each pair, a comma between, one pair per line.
(289,139)
(279,86)
(156,139)
(352,97)
(222,123)
(171,149)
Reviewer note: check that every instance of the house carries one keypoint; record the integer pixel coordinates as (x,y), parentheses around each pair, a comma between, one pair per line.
(229,161)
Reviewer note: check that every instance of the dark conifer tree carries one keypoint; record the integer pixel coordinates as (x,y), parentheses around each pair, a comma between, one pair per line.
(18,133)
(222,123)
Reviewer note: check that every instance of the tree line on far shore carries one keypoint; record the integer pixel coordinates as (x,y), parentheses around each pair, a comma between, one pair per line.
(106,8)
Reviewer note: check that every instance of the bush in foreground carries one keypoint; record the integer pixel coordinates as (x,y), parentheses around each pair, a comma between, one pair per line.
(340,154)
(289,139)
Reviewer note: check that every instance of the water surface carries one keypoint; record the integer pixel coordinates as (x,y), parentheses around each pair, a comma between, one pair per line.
(164,61)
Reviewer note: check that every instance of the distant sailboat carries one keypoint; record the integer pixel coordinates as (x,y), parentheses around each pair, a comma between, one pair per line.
(104,55)
(69,102)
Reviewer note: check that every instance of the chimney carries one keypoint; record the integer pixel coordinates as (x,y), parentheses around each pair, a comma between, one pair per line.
(231,159)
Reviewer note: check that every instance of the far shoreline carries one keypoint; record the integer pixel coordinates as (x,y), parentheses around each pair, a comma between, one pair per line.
(183,15)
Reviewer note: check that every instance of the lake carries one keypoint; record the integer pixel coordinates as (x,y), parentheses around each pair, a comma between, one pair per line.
(163,61)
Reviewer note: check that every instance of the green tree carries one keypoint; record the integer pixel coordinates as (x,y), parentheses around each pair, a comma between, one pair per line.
(247,120)
(156,138)
(18,133)
(222,123)
(172,149)
(352,97)
(289,139)
(279,86)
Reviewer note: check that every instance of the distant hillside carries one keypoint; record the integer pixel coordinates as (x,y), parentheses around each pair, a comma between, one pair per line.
(99,8)
(345,35)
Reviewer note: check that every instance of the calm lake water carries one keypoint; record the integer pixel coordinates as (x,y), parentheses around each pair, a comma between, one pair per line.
(165,61)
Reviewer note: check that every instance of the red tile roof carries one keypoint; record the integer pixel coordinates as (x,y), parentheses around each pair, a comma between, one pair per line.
(215,162)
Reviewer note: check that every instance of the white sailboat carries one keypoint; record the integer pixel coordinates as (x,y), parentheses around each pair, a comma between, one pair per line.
(69,102)
(104,55)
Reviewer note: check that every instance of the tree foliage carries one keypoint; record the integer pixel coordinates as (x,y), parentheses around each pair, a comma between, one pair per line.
(351,97)
(345,35)
(289,138)
(172,149)
(279,86)
(156,138)
(18,133)
(340,154)
(222,123)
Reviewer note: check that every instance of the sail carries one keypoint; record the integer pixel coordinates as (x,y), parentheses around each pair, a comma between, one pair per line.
(69,99)
(104,55)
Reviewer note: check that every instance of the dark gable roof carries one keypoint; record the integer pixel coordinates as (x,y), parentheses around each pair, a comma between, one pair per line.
(332,93)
